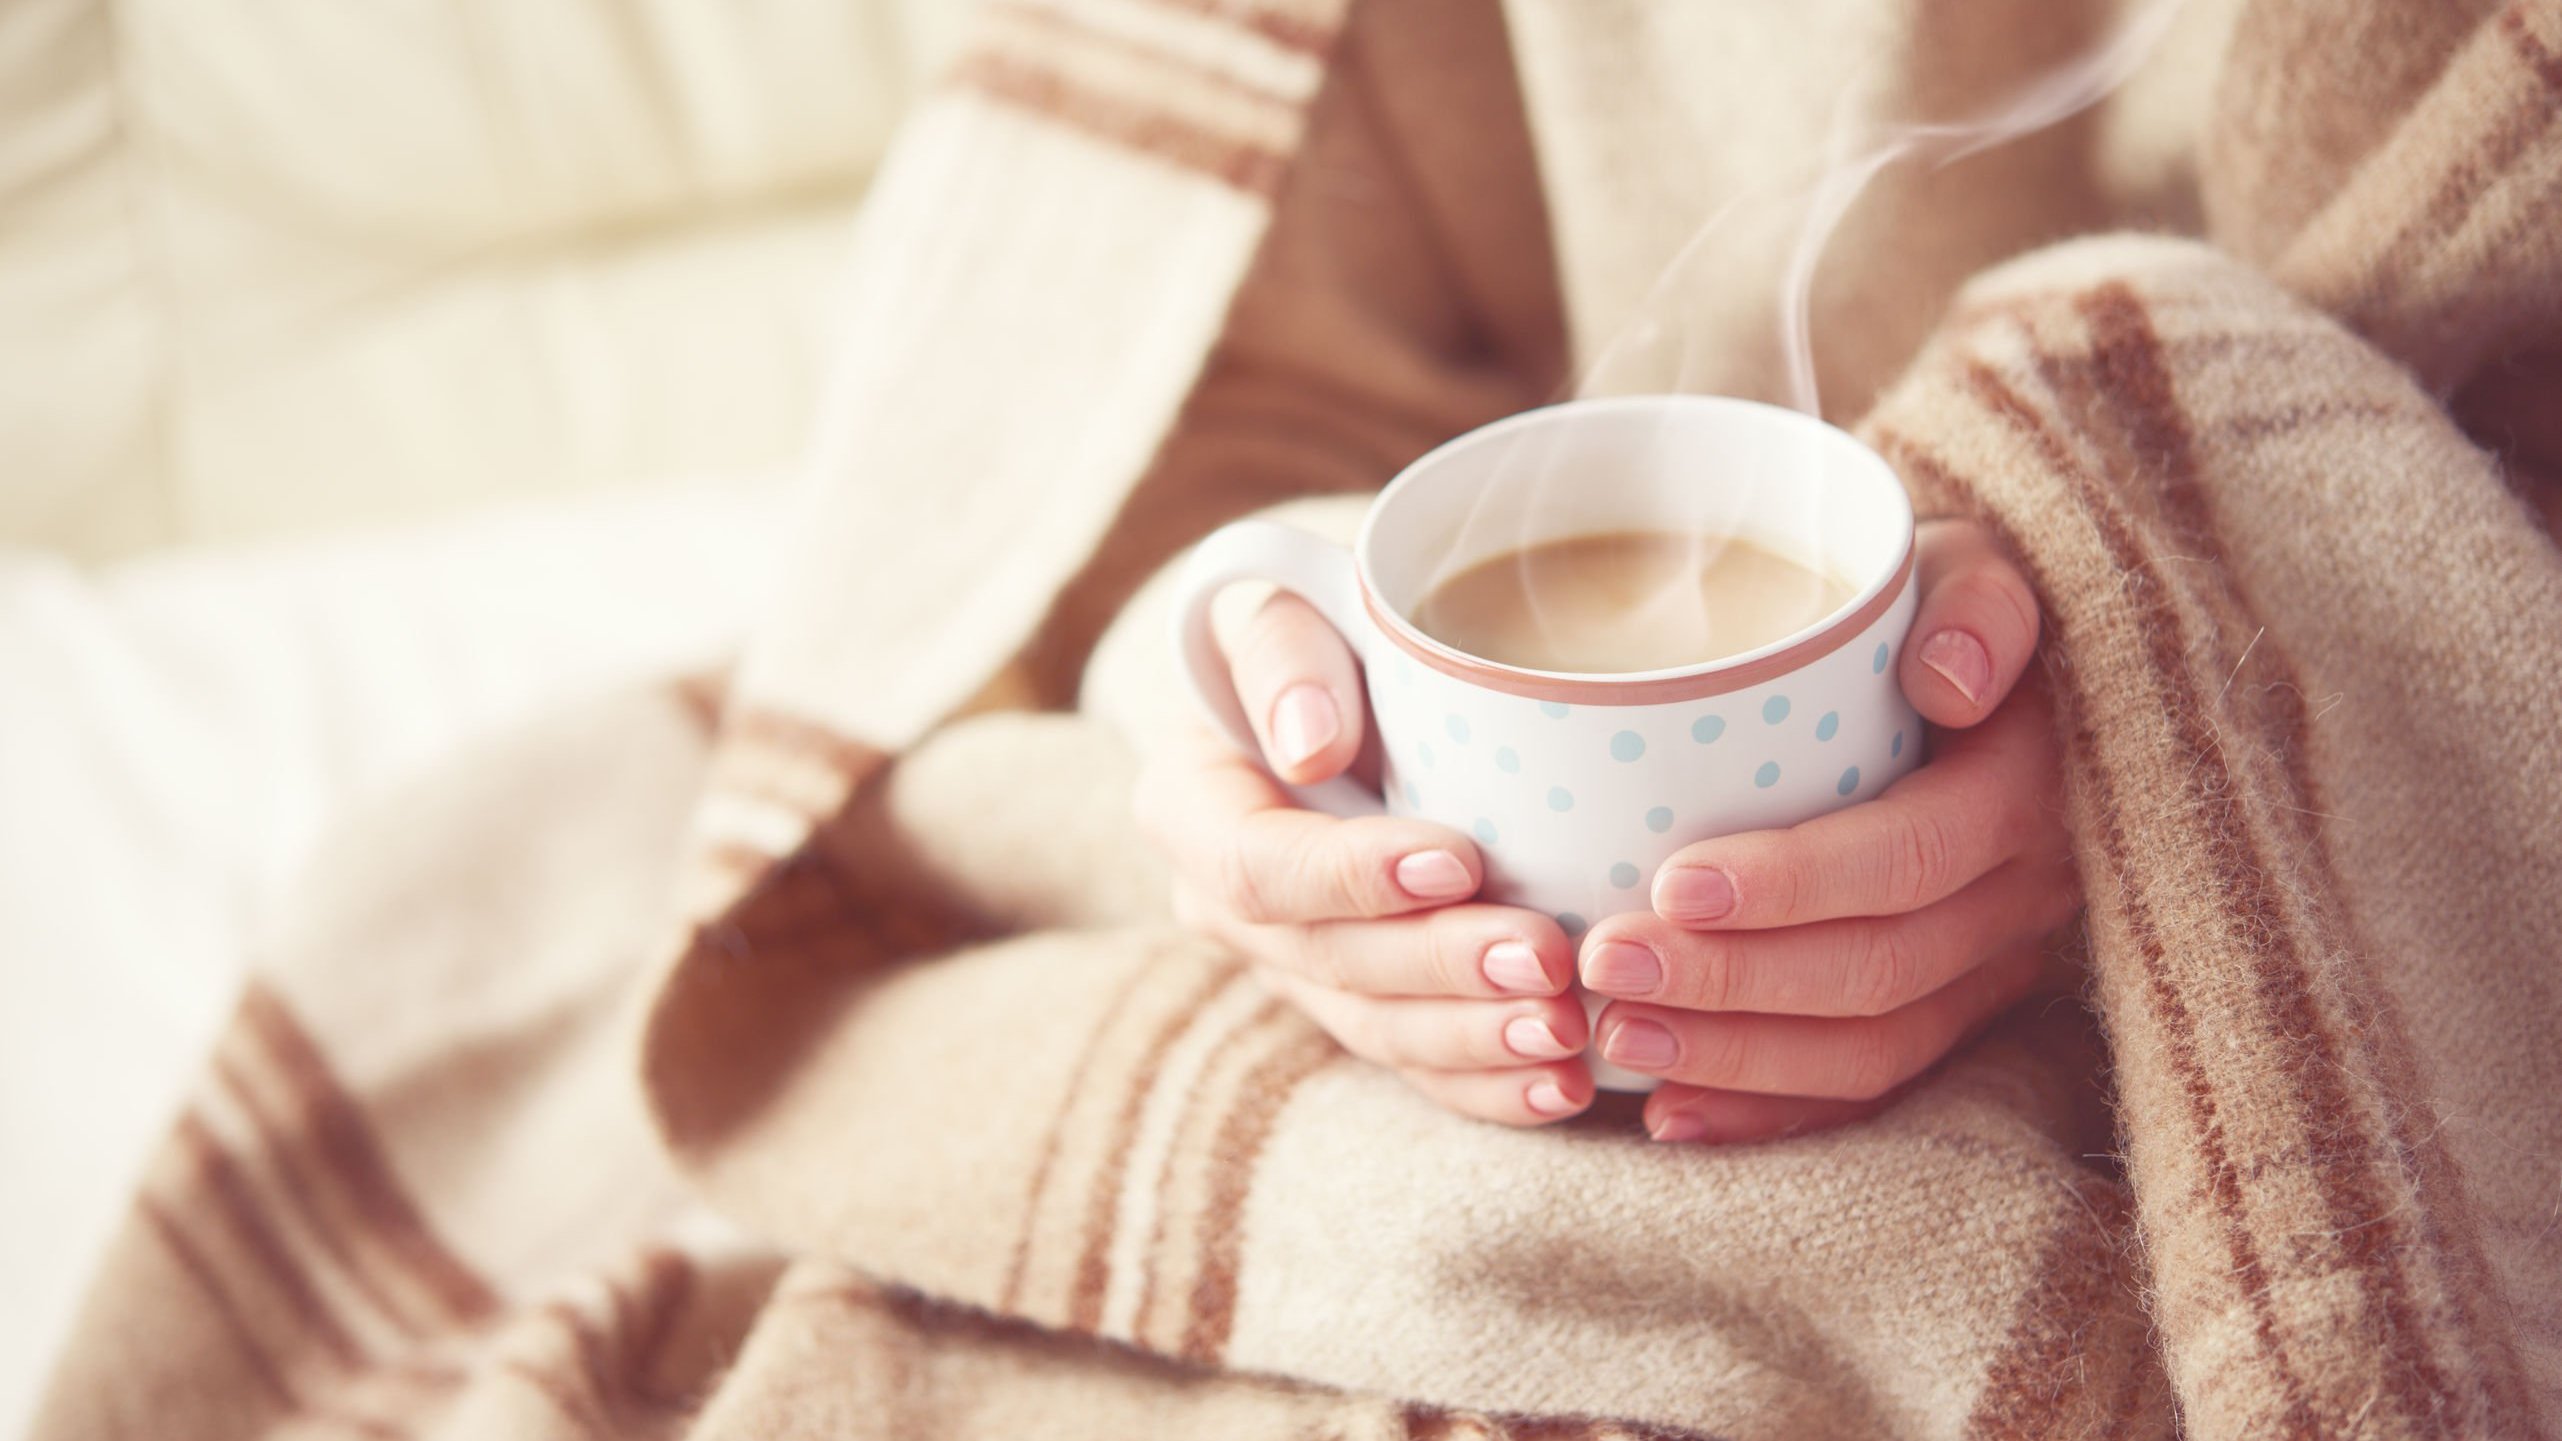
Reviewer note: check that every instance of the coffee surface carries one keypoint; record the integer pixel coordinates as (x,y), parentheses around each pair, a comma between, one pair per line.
(1627,601)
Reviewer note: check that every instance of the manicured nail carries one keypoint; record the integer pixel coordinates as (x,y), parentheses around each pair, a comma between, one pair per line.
(1513,966)
(1642,1045)
(1548,1099)
(1530,1038)
(1678,1126)
(1303,722)
(1690,894)
(1961,660)
(1623,968)
(1433,876)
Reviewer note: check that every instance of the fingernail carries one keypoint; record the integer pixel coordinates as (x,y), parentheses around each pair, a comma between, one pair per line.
(1641,1044)
(1678,1126)
(1548,1099)
(1623,968)
(1961,660)
(1433,876)
(1303,722)
(1513,966)
(1530,1038)
(1694,893)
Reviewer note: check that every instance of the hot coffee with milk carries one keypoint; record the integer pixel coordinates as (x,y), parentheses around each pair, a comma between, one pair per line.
(1627,601)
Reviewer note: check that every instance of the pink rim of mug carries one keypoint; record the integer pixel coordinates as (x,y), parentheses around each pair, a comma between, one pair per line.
(1715,678)
(1720,678)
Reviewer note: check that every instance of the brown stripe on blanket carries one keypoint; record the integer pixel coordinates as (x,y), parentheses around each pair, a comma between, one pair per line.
(2126,388)
(341,1137)
(1240,1145)
(225,1308)
(1254,169)
(306,1192)
(1009,1295)
(1093,1275)
(1298,31)
(2134,373)
(2259,920)
(2371,1026)
(2036,1387)
(1176,1241)
(2477,171)
(216,1187)
(2115,884)
(1052,33)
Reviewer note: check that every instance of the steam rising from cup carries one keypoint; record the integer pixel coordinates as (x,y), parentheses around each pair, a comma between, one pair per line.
(1811,213)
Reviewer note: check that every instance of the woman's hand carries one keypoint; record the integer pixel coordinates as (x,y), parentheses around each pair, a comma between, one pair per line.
(1363,924)
(1793,979)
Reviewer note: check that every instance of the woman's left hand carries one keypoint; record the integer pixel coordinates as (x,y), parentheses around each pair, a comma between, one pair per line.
(1793,979)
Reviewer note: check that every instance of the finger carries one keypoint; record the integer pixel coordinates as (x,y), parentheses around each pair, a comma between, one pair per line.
(1466,951)
(1858,966)
(1677,1113)
(1857,1059)
(1438,1035)
(1976,627)
(1238,839)
(1980,801)
(1300,688)
(1520,1096)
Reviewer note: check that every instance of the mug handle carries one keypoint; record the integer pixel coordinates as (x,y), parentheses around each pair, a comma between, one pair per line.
(1318,572)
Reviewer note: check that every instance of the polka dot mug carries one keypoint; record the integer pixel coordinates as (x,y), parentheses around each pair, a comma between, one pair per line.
(1578,785)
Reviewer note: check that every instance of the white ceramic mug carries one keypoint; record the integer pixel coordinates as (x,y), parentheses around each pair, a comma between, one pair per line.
(1578,786)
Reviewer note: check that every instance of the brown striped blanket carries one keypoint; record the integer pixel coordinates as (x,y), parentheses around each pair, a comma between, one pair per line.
(807,1052)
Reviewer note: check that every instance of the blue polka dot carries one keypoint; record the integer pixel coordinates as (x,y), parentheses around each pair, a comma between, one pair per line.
(1560,799)
(1659,820)
(1623,875)
(1572,924)
(1508,760)
(1458,728)
(1767,776)
(1849,782)
(1553,707)
(1877,662)
(1828,726)
(1484,831)
(1414,798)
(1775,709)
(1898,748)
(1423,753)
(1627,746)
(1707,728)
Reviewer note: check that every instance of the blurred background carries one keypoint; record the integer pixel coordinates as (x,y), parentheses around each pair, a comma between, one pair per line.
(370,375)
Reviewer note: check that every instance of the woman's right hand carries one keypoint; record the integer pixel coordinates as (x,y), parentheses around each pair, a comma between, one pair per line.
(1366,925)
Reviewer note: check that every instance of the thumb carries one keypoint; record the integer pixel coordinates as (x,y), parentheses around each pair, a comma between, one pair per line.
(1976,627)
(1300,687)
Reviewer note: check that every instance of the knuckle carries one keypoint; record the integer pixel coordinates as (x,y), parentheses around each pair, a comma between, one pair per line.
(1358,1027)
(1241,886)
(1318,957)
(1779,875)
(2012,594)
(1265,649)
(1351,883)
(1888,970)
(1714,978)
(1450,954)
(1919,860)
(1717,1055)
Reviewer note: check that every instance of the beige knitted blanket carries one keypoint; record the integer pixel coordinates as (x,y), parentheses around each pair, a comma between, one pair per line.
(807,1053)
